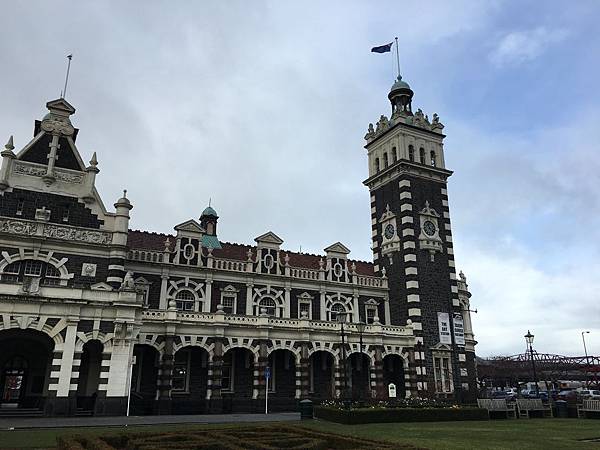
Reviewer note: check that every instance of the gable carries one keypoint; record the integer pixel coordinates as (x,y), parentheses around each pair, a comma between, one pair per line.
(338,247)
(39,150)
(269,238)
(190,226)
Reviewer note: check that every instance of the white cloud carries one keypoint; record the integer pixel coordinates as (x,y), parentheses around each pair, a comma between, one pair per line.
(518,47)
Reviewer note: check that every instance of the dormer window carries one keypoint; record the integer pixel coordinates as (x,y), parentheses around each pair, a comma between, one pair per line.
(432,157)
(411,153)
(422,155)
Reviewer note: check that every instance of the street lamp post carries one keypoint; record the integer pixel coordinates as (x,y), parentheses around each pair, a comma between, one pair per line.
(341,318)
(360,326)
(529,340)
(587,361)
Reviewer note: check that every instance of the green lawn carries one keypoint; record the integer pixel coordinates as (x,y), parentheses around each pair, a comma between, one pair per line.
(521,434)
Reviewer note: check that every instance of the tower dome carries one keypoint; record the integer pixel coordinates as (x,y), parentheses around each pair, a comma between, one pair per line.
(401,97)
(209,212)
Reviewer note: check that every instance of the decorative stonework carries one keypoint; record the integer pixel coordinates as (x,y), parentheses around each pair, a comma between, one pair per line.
(18,227)
(75,234)
(88,270)
(419,120)
(40,171)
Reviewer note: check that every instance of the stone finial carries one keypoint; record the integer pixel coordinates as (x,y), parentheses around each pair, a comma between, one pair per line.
(376,320)
(383,272)
(321,263)
(353,268)
(263,311)
(209,250)
(172,304)
(408,322)
(128,284)
(220,309)
(167,245)
(249,255)
(286,259)
(9,145)
(94,160)
(462,276)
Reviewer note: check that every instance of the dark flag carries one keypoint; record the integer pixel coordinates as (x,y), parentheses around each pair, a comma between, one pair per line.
(382,48)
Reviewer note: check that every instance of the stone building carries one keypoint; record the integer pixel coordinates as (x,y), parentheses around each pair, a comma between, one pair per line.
(95,315)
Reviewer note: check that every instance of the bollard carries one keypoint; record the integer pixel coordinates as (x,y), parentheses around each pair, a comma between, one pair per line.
(306,409)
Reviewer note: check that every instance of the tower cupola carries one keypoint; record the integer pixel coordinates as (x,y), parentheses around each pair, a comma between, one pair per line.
(208,221)
(401,97)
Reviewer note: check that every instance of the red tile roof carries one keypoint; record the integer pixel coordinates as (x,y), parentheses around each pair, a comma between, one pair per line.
(145,240)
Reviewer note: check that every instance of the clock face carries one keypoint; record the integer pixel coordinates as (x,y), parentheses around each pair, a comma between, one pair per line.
(429,228)
(389,231)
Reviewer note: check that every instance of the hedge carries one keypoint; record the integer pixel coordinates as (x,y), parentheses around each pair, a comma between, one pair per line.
(380,415)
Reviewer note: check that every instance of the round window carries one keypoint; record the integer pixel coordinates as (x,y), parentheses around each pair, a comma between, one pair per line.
(269,262)
(337,269)
(188,251)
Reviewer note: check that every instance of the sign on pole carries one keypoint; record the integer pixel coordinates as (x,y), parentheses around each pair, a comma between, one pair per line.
(267,377)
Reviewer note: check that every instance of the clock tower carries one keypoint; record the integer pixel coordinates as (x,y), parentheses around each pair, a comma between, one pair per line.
(412,241)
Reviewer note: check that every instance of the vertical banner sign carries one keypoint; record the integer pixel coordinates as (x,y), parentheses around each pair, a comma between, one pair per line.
(444,326)
(459,329)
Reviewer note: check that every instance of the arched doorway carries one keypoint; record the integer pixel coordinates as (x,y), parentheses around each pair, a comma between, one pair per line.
(321,368)
(237,380)
(190,381)
(89,376)
(25,362)
(144,379)
(393,372)
(282,385)
(359,379)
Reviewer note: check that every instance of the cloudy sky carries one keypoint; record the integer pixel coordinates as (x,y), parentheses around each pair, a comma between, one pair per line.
(263,107)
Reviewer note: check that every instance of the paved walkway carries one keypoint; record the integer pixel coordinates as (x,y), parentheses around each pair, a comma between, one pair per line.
(63,422)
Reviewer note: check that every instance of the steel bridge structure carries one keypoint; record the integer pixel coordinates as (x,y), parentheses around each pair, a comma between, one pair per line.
(550,368)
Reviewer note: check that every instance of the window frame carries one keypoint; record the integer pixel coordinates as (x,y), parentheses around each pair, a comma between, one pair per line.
(194,300)
(442,373)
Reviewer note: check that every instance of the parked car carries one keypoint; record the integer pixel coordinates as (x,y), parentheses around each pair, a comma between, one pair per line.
(589,393)
(498,394)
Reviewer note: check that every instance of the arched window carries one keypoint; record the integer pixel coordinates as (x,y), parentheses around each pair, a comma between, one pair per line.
(394,155)
(432,156)
(185,300)
(269,306)
(385,161)
(411,153)
(422,155)
(376,165)
(16,271)
(336,310)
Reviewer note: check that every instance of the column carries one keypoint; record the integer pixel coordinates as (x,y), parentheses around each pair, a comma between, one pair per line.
(410,375)
(164,279)
(380,387)
(259,372)
(303,373)
(60,375)
(249,287)
(215,373)
(119,372)
(165,377)
(206,305)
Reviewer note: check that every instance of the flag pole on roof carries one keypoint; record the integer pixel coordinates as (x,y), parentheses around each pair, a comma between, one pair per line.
(397,57)
(64,92)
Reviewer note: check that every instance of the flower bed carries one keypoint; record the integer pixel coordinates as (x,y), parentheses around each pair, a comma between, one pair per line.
(387,413)
(244,438)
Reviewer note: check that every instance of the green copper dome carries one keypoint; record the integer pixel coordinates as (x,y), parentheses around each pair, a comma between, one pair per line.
(399,84)
(209,212)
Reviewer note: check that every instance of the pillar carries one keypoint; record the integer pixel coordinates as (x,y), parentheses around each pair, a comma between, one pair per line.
(304,372)
(60,375)
(215,373)
(380,387)
(165,377)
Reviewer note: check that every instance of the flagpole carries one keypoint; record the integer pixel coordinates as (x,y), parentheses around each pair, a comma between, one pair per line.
(397,57)
(64,94)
